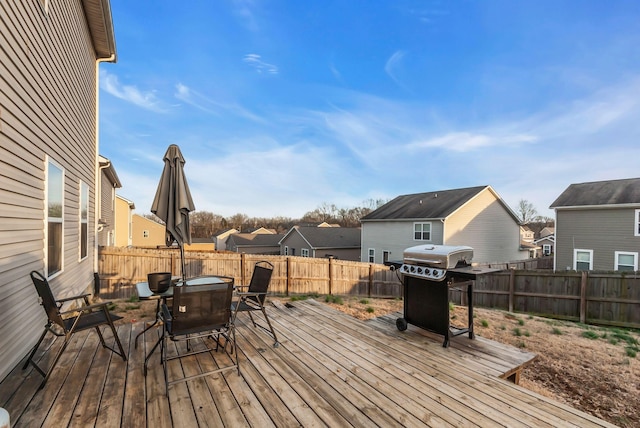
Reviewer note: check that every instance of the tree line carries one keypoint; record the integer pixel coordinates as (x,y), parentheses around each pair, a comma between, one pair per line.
(205,224)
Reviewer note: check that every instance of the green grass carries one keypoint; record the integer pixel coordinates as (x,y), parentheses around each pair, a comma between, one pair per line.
(590,334)
(370,309)
(484,323)
(364,301)
(520,321)
(303,297)
(132,299)
(131,307)
(556,331)
(334,299)
(517,332)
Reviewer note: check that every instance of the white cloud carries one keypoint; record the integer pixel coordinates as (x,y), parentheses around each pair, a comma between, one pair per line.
(392,65)
(209,105)
(147,100)
(255,61)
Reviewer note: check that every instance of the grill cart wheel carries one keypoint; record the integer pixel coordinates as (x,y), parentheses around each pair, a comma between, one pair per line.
(401,323)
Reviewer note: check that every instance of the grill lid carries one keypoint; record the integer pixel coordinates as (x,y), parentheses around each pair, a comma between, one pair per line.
(439,256)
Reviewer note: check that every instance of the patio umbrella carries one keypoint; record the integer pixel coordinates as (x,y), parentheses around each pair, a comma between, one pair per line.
(173,202)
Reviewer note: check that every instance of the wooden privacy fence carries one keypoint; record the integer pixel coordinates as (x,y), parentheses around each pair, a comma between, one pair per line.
(121,268)
(593,298)
(605,298)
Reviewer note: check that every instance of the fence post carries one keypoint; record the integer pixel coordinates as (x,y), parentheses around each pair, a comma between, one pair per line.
(370,284)
(243,261)
(583,297)
(330,276)
(288,275)
(512,288)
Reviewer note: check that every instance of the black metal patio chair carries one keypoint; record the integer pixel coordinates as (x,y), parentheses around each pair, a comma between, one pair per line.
(254,298)
(64,323)
(198,312)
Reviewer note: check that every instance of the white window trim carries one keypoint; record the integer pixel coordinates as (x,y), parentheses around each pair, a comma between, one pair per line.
(286,250)
(49,161)
(423,223)
(575,258)
(86,188)
(304,252)
(371,255)
(625,253)
(145,233)
(546,249)
(636,225)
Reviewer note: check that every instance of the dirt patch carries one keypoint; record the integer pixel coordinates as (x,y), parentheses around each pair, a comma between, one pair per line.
(590,368)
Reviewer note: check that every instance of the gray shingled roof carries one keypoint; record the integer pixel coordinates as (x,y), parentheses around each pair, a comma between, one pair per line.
(331,237)
(260,239)
(612,192)
(429,205)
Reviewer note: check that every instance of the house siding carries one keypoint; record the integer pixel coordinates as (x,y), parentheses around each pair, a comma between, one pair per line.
(394,236)
(602,230)
(485,225)
(295,241)
(47,109)
(107,211)
(157,232)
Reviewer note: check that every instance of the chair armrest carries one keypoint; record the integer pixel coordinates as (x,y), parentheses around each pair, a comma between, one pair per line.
(249,293)
(67,299)
(102,306)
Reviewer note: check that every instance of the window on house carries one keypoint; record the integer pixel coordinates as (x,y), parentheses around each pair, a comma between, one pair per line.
(626,261)
(422,231)
(637,223)
(582,260)
(372,255)
(286,250)
(84,220)
(145,233)
(385,256)
(305,252)
(55,215)
(546,249)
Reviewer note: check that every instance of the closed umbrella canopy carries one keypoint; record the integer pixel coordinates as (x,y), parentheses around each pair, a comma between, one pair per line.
(173,202)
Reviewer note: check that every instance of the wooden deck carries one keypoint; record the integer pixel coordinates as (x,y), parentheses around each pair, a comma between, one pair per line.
(330,370)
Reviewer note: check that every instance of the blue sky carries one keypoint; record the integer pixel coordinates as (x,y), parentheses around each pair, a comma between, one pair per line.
(281,106)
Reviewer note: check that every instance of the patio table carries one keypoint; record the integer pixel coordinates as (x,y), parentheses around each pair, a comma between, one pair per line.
(145,293)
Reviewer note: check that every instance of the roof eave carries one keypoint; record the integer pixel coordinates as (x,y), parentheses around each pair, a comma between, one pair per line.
(98,15)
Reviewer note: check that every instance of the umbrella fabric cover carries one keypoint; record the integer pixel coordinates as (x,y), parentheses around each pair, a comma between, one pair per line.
(173,202)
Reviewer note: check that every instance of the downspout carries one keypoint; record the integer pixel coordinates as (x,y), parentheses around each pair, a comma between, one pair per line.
(98,168)
(443,231)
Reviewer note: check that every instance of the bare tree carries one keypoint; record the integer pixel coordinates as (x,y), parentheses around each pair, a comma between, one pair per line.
(526,211)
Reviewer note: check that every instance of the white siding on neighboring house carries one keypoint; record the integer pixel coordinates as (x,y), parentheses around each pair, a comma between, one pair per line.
(487,227)
(48,92)
(394,237)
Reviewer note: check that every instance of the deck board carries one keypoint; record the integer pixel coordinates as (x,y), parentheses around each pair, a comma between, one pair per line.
(329,370)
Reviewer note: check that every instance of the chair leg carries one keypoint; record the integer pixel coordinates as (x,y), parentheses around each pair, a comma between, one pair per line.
(146,358)
(55,361)
(276,343)
(35,348)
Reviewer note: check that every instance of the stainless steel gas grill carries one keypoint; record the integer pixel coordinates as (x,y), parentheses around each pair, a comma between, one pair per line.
(429,271)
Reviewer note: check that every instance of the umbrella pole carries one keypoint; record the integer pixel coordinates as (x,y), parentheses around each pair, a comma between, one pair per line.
(184,273)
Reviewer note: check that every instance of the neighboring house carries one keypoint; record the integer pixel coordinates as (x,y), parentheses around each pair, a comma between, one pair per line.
(322,241)
(474,216)
(546,244)
(254,243)
(526,234)
(108,182)
(200,244)
(50,164)
(147,233)
(598,226)
(124,222)
(220,238)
